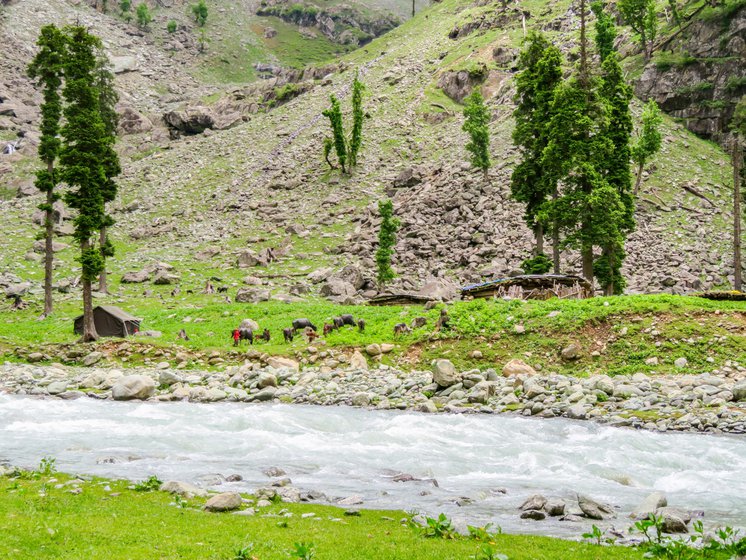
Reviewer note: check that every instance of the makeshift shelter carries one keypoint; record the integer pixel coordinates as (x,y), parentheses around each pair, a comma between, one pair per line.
(532,286)
(400,298)
(110,321)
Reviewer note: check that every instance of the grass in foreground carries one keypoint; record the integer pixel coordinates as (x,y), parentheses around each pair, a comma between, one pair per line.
(109,520)
(617,335)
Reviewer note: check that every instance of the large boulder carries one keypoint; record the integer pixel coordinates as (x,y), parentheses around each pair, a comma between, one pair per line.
(445,373)
(183,489)
(132,122)
(133,387)
(250,295)
(136,277)
(441,289)
(739,391)
(249,324)
(517,367)
(227,501)
(282,363)
(593,509)
(336,287)
(194,120)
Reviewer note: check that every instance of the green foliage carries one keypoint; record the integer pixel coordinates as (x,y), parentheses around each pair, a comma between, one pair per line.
(735,83)
(484,534)
(304,550)
(328,147)
(356,138)
(738,124)
(386,241)
(172,26)
(125,6)
(440,527)
(244,553)
(487,552)
(540,73)
(143,14)
(605,30)
(666,61)
(334,114)
(640,16)
(150,484)
(539,264)
(199,11)
(675,12)
(287,92)
(477,126)
(47,466)
(649,138)
(699,87)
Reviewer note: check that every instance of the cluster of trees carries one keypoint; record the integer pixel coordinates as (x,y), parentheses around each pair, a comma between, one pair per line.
(78,132)
(345,149)
(144,18)
(575,139)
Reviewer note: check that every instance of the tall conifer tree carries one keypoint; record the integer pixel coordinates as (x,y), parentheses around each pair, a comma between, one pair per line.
(477,125)
(46,69)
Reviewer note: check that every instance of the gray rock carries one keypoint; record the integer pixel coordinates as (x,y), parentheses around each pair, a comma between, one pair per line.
(227,501)
(555,507)
(266,380)
(533,514)
(517,367)
(57,387)
(361,399)
(183,489)
(739,391)
(680,362)
(444,373)
(571,352)
(649,505)
(92,358)
(577,412)
(593,509)
(133,387)
(675,520)
(537,501)
(266,394)
(251,295)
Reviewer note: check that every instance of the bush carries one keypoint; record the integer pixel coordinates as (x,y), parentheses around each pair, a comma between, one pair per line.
(148,485)
(143,15)
(540,264)
(171,26)
(286,92)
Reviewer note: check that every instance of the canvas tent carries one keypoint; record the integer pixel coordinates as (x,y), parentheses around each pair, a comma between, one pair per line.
(110,321)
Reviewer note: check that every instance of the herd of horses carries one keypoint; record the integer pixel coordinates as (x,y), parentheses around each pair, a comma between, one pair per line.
(310,331)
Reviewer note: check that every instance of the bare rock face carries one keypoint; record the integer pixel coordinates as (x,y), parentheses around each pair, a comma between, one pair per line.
(458,85)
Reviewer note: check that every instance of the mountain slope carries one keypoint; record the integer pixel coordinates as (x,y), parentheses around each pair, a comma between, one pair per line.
(205,199)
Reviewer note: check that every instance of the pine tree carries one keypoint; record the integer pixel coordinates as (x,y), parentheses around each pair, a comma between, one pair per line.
(605,31)
(477,125)
(107,100)
(386,241)
(47,69)
(616,95)
(541,73)
(357,121)
(334,114)
(143,15)
(86,152)
(738,126)
(648,141)
(640,16)
(199,10)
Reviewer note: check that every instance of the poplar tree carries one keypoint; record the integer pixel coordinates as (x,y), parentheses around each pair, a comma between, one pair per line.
(541,72)
(386,241)
(199,10)
(86,153)
(648,141)
(616,95)
(477,125)
(47,70)
(605,31)
(357,120)
(143,15)
(334,114)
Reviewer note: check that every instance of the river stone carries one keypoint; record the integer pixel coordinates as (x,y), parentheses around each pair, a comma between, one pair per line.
(279,363)
(593,509)
(517,367)
(92,358)
(57,387)
(373,350)
(361,399)
(533,514)
(571,352)
(358,361)
(133,387)
(603,383)
(577,412)
(168,378)
(739,391)
(649,505)
(183,489)
(266,394)
(537,501)
(444,373)
(227,501)
(555,507)
(674,520)
(266,380)
(427,406)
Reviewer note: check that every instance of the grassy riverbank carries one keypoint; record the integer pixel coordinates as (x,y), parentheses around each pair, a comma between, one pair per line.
(44,516)
(617,335)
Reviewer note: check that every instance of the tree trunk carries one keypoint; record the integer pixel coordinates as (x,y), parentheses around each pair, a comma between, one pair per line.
(539,238)
(555,240)
(102,278)
(586,253)
(638,181)
(89,327)
(413,8)
(48,249)
(584,70)
(737,163)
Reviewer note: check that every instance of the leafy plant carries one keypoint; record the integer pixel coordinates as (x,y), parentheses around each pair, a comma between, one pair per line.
(645,526)
(244,553)
(143,15)
(595,534)
(171,26)
(149,484)
(440,527)
(477,126)
(486,552)
(484,533)
(540,264)
(303,550)
(47,466)
(386,241)
(199,11)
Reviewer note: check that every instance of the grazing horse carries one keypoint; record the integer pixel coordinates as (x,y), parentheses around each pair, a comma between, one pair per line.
(245,334)
(401,328)
(347,319)
(311,334)
(338,322)
(264,336)
(288,334)
(328,329)
(299,324)
(361,325)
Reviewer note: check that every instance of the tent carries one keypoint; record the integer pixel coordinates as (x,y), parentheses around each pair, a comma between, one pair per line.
(110,321)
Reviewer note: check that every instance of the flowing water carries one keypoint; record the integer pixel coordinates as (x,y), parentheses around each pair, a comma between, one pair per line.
(347,451)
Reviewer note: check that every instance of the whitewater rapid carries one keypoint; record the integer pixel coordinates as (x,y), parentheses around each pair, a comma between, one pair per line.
(347,451)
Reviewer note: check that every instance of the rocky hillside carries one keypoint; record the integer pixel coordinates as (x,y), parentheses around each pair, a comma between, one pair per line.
(250,202)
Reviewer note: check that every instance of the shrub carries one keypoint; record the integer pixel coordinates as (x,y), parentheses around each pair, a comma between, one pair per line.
(540,264)
(171,26)
(149,484)
(143,15)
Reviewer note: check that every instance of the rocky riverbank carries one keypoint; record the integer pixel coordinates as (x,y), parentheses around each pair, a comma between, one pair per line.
(713,402)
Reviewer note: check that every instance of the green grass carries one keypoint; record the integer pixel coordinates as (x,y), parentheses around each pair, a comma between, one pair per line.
(623,331)
(38,520)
